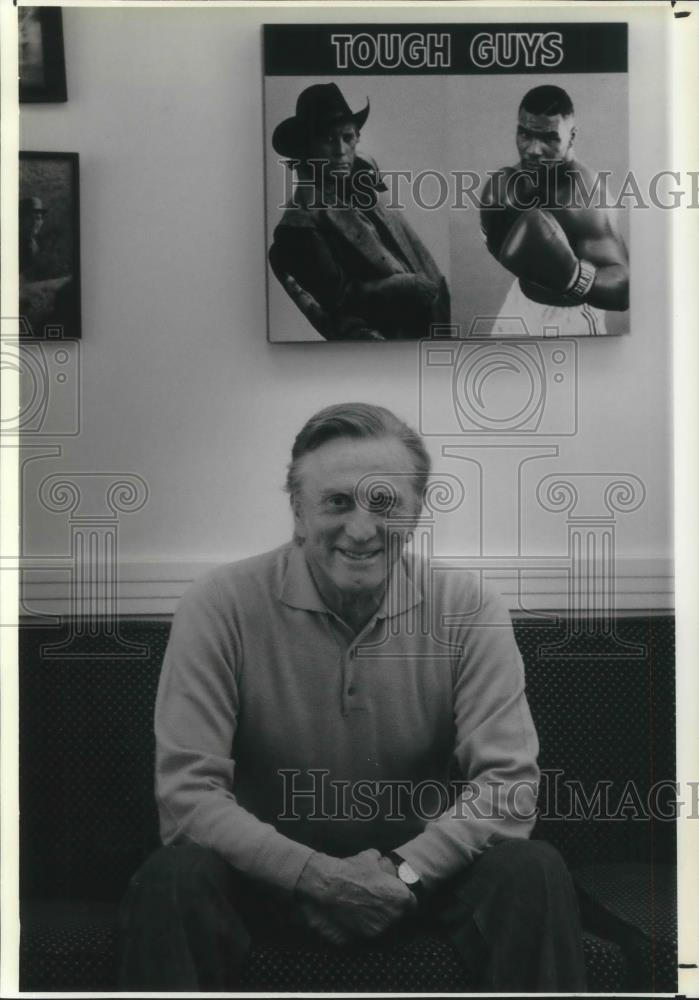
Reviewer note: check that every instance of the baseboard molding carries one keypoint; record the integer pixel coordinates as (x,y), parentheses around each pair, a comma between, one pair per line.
(155,588)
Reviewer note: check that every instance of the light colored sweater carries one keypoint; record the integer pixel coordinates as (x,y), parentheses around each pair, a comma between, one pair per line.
(265,694)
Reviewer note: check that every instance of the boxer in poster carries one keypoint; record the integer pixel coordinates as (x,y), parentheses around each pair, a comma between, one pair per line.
(540,222)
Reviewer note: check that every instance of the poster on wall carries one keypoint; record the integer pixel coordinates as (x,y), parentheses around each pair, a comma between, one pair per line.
(49,245)
(458,181)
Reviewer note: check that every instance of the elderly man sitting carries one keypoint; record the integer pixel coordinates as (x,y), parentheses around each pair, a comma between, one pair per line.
(311,707)
(356,267)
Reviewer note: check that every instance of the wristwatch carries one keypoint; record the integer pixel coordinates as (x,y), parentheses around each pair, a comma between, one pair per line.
(407,874)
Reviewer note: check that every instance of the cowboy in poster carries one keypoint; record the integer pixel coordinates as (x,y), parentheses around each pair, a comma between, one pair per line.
(356,268)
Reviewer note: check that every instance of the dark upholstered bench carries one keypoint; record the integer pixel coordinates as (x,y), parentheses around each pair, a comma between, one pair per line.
(604,709)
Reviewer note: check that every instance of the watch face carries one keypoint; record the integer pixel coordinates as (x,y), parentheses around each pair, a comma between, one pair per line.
(407,874)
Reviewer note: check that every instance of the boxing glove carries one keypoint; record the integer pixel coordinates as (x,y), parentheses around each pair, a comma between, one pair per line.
(536,249)
(508,193)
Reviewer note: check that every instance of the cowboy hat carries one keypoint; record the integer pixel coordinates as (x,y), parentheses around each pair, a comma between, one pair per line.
(317,108)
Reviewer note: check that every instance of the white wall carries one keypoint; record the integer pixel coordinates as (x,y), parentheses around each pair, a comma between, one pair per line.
(179,384)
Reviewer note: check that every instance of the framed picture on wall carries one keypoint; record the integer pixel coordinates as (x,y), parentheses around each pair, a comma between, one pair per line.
(42,71)
(49,245)
(446,180)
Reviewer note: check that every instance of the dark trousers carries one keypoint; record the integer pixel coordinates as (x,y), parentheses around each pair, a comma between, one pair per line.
(188,921)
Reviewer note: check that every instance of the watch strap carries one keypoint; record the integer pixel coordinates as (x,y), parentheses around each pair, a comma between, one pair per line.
(396,859)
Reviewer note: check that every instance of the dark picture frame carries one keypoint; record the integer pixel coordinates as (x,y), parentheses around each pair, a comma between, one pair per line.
(49,245)
(42,70)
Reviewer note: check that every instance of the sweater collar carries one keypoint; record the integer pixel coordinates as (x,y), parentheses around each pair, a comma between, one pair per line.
(298,589)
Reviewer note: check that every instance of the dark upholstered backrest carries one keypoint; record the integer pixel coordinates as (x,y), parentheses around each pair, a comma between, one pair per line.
(604,708)
(88,816)
(87,811)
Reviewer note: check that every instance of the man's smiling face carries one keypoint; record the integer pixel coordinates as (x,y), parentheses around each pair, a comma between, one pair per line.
(345,538)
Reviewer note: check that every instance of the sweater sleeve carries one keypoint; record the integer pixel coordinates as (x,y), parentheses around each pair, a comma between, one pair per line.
(195,722)
(496,749)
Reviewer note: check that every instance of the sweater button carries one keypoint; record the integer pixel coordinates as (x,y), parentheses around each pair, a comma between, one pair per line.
(351,689)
